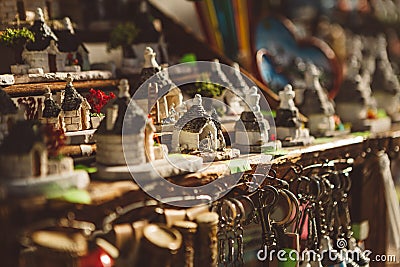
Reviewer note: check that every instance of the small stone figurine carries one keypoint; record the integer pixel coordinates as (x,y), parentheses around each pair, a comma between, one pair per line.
(76,109)
(288,124)
(355,103)
(240,89)
(51,114)
(316,105)
(251,131)
(385,85)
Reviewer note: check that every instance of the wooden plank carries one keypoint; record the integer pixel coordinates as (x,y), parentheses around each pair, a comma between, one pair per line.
(38,89)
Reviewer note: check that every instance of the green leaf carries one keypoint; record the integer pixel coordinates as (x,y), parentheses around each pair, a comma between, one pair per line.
(123,35)
(86,168)
(13,37)
(76,196)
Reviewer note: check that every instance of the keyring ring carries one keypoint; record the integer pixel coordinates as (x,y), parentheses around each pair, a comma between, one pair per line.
(296,204)
(265,189)
(239,205)
(251,217)
(289,214)
(226,217)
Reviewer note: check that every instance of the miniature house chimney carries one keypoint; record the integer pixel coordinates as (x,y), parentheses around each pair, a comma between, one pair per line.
(286,97)
(48,94)
(311,75)
(68,25)
(123,88)
(197,100)
(69,79)
(150,58)
(253,99)
(39,14)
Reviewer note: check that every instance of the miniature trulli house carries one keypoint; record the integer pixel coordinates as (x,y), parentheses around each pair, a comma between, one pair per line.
(51,114)
(288,124)
(162,94)
(75,108)
(195,128)
(71,46)
(252,130)
(23,153)
(42,55)
(110,150)
(25,165)
(8,112)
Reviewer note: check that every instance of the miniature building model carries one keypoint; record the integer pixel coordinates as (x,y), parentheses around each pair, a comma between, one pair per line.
(51,114)
(75,109)
(25,165)
(23,153)
(196,130)
(162,93)
(48,53)
(288,125)
(8,112)
(72,47)
(110,150)
(251,131)
(385,85)
(316,105)
(42,55)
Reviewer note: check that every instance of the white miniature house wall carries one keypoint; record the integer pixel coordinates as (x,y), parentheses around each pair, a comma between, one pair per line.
(196,127)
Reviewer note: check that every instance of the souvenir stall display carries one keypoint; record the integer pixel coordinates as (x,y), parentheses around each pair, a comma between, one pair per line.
(168,164)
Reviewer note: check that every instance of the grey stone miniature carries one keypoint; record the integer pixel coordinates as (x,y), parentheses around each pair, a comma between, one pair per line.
(316,104)
(288,124)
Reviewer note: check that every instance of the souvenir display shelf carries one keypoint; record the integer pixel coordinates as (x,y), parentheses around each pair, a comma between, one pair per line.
(106,196)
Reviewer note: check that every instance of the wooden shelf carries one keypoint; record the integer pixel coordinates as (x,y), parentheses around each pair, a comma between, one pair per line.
(38,89)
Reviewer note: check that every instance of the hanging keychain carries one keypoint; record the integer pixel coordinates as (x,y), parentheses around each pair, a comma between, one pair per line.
(288,241)
(266,200)
(308,191)
(225,235)
(360,259)
(238,230)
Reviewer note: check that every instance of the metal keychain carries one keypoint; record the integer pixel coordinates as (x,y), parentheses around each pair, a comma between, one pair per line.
(267,198)
(238,230)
